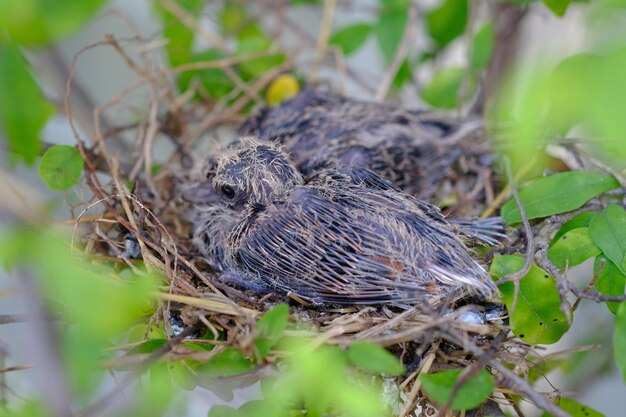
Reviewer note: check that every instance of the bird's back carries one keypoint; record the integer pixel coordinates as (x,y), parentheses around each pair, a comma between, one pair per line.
(349,244)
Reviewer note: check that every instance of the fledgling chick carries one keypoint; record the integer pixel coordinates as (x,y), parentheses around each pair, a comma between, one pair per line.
(345,237)
(415,150)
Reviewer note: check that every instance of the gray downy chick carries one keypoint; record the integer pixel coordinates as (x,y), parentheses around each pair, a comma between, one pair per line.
(341,238)
(415,150)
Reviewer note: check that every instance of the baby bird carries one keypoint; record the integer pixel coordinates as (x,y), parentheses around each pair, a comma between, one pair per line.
(346,236)
(415,150)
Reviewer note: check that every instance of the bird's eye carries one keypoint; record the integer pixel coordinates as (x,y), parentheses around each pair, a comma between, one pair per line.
(228,191)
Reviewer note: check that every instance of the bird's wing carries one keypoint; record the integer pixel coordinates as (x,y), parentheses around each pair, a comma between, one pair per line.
(319,250)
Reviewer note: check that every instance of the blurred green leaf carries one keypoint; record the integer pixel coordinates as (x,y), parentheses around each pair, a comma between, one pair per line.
(147,346)
(575,409)
(448,21)
(95,306)
(536,320)
(351,38)
(320,380)
(439,386)
(233,17)
(607,81)
(557,193)
(608,231)
(573,248)
(224,411)
(181,375)
(558,7)
(569,91)
(23,110)
(580,220)
(390,28)
(229,362)
(443,90)
(61,167)
(40,22)
(374,358)
(82,351)
(270,328)
(180,37)
(256,67)
(263,408)
(619,339)
(213,80)
(403,75)
(27,409)
(482,46)
(611,281)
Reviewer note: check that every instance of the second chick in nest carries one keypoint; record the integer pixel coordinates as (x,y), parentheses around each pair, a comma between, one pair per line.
(347,236)
(417,151)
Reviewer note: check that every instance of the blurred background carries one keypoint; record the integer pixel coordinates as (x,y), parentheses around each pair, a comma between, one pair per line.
(524,37)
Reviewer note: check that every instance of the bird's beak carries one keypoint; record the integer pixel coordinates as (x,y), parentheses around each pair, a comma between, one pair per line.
(203,193)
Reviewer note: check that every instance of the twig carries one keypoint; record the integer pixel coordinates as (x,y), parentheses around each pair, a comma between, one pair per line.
(13,318)
(15,368)
(590,284)
(323,35)
(563,284)
(401,53)
(530,242)
(521,386)
(424,368)
(188,20)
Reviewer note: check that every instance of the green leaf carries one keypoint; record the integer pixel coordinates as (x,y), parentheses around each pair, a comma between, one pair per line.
(374,358)
(180,37)
(23,110)
(439,386)
(611,281)
(443,90)
(148,346)
(575,409)
(233,18)
(558,193)
(448,21)
(404,74)
(61,167)
(569,91)
(258,43)
(351,38)
(270,328)
(619,339)
(482,47)
(558,7)
(81,294)
(224,411)
(229,362)
(580,220)
(182,376)
(40,22)
(213,80)
(390,28)
(573,248)
(608,231)
(536,319)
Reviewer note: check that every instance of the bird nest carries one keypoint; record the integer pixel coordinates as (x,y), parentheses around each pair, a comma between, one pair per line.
(134,218)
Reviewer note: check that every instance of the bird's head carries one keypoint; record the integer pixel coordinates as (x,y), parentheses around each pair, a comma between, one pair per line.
(255,173)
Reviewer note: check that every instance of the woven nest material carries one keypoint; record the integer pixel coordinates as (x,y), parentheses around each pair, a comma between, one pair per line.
(137,219)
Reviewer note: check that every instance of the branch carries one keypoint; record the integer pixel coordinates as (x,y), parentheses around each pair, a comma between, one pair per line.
(401,53)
